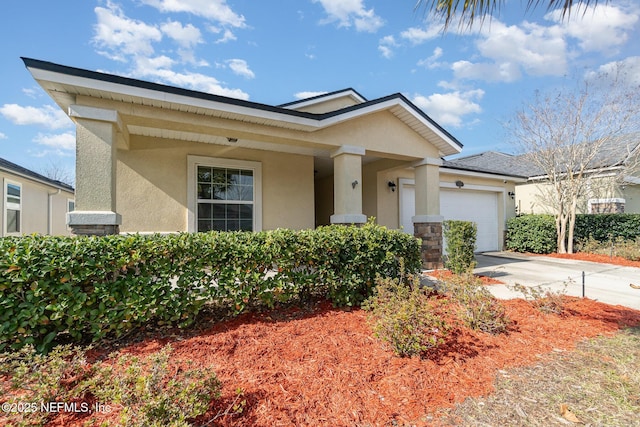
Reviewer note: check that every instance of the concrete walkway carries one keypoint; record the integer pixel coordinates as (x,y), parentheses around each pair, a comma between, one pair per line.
(603,282)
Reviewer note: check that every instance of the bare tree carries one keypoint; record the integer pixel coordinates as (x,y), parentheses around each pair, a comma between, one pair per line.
(578,139)
(56,171)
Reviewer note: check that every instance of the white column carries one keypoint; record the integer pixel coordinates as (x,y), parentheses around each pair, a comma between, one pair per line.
(96,138)
(347,185)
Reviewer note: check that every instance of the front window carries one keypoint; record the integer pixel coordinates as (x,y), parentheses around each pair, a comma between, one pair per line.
(225,199)
(13,199)
(224,194)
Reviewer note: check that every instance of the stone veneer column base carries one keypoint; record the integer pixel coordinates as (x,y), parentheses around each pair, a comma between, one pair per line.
(94,230)
(431,250)
(94,223)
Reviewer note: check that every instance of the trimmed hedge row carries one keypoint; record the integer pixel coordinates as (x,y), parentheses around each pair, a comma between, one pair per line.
(537,233)
(90,287)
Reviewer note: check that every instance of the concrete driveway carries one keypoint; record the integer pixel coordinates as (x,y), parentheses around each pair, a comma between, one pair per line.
(603,282)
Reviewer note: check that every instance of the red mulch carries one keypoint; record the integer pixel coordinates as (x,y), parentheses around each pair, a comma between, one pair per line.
(446,274)
(605,259)
(324,367)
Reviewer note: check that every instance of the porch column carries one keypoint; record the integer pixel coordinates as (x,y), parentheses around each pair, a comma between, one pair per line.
(347,185)
(427,223)
(96,137)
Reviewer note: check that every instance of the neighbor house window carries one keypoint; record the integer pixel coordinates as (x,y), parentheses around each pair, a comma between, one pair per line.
(226,194)
(13,205)
(71,205)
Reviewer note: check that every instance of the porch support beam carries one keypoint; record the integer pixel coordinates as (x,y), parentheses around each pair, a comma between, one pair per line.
(427,222)
(96,139)
(347,185)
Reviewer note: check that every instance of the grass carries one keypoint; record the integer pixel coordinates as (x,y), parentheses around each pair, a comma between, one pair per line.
(599,383)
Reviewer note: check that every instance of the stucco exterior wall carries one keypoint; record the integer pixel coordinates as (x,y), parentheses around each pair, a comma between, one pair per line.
(152,185)
(529,200)
(379,132)
(40,213)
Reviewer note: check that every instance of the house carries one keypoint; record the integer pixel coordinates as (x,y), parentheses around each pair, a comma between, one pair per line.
(157,158)
(607,191)
(33,203)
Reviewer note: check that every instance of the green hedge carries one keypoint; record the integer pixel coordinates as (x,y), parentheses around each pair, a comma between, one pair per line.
(532,233)
(537,233)
(90,287)
(461,245)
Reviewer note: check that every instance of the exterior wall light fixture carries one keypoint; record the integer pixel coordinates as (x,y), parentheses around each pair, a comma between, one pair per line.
(459,184)
(392,186)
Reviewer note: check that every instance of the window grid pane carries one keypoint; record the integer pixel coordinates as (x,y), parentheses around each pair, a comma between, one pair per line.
(225,199)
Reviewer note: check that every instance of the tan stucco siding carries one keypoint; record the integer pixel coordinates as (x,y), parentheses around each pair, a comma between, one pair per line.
(40,213)
(631,195)
(152,185)
(378,133)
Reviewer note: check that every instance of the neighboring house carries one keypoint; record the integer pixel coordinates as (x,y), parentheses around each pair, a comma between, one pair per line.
(33,203)
(157,158)
(608,192)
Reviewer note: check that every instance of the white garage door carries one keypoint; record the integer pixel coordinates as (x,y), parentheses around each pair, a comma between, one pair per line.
(480,207)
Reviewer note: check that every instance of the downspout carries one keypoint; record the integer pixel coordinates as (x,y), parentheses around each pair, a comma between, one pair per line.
(50,211)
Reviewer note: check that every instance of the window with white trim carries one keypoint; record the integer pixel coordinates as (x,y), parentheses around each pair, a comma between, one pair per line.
(13,207)
(71,205)
(227,194)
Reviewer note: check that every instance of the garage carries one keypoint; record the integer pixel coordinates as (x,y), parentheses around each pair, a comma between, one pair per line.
(478,206)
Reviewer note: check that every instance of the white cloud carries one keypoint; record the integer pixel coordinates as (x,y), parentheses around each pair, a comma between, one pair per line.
(132,41)
(307,94)
(511,50)
(3,136)
(47,116)
(226,37)
(214,10)
(386,45)
(432,61)
(625,72)
(351,13)
(448,109)
(186,36)
(195,81)
(418,36)
(598,28)
(240,67)
(64,141)
(121,36)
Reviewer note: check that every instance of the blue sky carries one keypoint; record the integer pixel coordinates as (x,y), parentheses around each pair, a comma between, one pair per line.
(274,52)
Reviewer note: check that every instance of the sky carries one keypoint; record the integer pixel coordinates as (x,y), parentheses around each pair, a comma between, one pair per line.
(471,80)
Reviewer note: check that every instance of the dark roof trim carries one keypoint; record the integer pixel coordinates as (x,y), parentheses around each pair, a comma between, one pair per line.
(127,81)
(27,173)
(323,95)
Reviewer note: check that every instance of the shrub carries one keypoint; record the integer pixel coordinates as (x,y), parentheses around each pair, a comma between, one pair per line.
(545,300)
(479,310)
(461,245)
(150,393)
(532,233)
(627,249)
(86,288)
(60,376)
(405,317)
(605,227)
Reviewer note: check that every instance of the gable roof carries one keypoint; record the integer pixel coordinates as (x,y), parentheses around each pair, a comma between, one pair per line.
(63,83)
(611,153)
(16,169)
(348,92)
